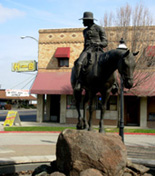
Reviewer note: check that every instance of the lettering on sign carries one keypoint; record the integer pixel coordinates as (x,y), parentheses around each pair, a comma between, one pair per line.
(17,93)
(24,66)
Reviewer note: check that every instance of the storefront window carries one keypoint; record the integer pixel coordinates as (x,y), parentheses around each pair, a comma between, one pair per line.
(151,117)
(70,102)
(111,105)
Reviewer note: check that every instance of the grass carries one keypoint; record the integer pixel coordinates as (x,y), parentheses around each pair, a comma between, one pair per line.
(128,130)
(38,128)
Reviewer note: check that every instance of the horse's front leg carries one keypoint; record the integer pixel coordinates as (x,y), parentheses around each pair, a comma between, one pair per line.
(85,100)
(90,113)
(77,96)
(105,97)
(101,123)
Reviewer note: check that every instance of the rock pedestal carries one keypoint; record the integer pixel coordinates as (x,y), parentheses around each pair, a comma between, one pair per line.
(84,153)
(77,151)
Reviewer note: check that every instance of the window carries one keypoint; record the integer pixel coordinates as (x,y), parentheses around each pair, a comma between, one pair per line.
(70,102)
(63,62)
(63,55)
(111,104)
(151,117)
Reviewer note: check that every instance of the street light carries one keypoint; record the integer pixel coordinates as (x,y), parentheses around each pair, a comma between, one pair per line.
(23,37)
(121,126)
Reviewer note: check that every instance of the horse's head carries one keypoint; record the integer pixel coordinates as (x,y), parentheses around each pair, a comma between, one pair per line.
(126,68)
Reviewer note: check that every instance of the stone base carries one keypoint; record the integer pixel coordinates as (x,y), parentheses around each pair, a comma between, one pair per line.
(79,153)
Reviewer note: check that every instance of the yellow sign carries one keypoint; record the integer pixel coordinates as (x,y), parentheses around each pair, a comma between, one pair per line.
(24,66)
(11,118)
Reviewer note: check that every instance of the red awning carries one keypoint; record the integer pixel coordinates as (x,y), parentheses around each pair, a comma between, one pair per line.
(144,85)
(52,83)
(63,52)
(59,83)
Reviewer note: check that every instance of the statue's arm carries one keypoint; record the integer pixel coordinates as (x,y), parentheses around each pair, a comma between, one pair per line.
(104,41)
(84,36)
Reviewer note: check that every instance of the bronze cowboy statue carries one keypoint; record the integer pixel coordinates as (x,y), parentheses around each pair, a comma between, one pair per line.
(94,71)
(94,41)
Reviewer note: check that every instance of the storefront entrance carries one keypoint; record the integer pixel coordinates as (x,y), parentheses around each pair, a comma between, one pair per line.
(131,110)
(55,108)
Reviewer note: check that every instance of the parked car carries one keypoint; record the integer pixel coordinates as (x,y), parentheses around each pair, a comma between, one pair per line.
(2,105)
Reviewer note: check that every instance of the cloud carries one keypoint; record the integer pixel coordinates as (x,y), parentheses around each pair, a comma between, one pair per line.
(7,14)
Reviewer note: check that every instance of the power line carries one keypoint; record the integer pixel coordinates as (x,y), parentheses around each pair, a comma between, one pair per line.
(26,73)
(23,81)
(27,83)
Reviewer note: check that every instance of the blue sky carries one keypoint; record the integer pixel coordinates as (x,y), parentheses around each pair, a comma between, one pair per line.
(26,17)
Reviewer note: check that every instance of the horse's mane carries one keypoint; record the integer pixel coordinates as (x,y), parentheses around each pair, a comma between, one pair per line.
(111,56)
(105,57)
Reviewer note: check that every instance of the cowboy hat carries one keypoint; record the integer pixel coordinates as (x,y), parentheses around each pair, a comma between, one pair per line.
(87,16)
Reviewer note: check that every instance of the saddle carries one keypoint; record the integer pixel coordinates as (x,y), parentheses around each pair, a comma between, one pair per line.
(91,62)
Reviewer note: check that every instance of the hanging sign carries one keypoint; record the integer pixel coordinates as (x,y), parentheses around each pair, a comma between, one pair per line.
(24,66)
(12,118)
(17,93)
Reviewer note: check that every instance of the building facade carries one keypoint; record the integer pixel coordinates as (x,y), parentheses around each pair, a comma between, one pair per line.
(58,49)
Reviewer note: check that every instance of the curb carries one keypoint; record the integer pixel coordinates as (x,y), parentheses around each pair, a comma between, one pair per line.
(30,131)
(146,162)
(50,158)
(153,134)
(26,160)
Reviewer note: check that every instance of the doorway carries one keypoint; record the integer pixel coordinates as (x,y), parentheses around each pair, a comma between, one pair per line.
(55,108)
(131,110)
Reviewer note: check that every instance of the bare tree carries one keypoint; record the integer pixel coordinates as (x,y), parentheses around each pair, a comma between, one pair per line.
(135,26)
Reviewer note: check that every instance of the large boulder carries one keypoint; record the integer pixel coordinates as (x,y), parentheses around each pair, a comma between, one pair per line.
(77,151)
(57,174)
(90,172)
(83,153)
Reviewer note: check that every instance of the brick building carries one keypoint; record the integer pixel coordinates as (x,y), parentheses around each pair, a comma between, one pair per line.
(58,49)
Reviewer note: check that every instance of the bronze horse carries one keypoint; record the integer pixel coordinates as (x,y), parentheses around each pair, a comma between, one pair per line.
(99,77)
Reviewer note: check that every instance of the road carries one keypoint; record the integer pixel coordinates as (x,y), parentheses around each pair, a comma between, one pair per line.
(25,115)
(48,138)
(40,147)
(27,144)
(43,143)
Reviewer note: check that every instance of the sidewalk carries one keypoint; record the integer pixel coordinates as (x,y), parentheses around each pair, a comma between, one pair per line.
(33,147)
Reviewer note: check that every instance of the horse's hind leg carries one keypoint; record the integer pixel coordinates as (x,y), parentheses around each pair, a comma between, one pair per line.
(91,98)
(77,96)
(105,97)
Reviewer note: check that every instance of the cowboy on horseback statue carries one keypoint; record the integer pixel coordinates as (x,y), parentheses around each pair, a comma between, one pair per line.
(94,40)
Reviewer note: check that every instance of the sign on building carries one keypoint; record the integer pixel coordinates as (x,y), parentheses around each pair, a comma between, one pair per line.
(16,93)
(12,118)
(24,66)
